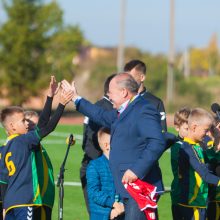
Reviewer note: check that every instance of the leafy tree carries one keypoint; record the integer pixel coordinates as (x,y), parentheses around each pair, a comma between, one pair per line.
(29,38)
(213,54)
(156,74)
(199,59)
(63,47)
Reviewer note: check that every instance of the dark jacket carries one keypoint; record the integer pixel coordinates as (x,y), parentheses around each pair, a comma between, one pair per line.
(90,143)
(158,103)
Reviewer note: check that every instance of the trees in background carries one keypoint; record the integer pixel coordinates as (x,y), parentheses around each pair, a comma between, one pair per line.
(33,44)
(195,90)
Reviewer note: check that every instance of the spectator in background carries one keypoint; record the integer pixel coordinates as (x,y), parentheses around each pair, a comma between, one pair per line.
(138,69)
(90,143)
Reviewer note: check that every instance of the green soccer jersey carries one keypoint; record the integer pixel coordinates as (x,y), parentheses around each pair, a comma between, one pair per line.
(45,176)
(194,190)
(19,171)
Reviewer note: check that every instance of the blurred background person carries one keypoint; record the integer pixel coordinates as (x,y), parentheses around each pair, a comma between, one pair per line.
(138,70)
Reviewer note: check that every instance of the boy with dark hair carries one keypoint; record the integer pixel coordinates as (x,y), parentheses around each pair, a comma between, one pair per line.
(137,64)
(103,204)
(18,158)
(181,126)
(193,174)
(138,69)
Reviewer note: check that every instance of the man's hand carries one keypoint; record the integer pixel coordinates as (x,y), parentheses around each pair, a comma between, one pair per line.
(67,87)
(65,96)
(129,177)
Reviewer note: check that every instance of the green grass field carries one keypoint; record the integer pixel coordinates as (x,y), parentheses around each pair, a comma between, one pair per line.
(74,207)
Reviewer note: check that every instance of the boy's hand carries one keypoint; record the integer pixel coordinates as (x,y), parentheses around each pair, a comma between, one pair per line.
(54,87)
(113,214)
(65,96)
(119,207)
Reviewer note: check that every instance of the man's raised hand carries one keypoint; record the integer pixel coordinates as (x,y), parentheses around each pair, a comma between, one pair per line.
(70,87)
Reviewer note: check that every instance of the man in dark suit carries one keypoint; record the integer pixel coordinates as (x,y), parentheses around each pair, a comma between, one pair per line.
(90,144)
(138,70)
(137,141)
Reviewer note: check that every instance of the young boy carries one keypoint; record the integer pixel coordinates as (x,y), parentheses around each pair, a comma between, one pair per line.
(44,173)
(194,176)
(18,160)
(181,126)
(103,204)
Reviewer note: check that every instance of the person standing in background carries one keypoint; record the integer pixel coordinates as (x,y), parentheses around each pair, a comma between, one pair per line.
(138,69)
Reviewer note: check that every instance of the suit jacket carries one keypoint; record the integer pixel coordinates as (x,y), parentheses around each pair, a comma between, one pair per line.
(137,141)
(90,143)
(158,103)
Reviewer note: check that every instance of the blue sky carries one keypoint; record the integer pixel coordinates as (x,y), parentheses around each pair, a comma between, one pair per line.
(147,22)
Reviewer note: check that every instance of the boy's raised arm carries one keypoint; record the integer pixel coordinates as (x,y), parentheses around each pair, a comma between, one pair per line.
(65,97)
(199,167)
(46,112)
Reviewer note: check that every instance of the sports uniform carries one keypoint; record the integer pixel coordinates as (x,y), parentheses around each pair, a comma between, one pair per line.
(19,161)
(194,177)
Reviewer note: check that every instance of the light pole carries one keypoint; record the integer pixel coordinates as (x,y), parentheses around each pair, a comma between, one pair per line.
(120,54)
(170,76)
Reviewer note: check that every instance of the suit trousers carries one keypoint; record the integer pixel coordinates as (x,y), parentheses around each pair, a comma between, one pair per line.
(132,210)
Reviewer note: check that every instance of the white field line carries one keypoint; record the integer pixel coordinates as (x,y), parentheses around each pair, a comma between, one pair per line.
(79,184)
(59,141)
(50,142)
(66,134)
(70,183)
